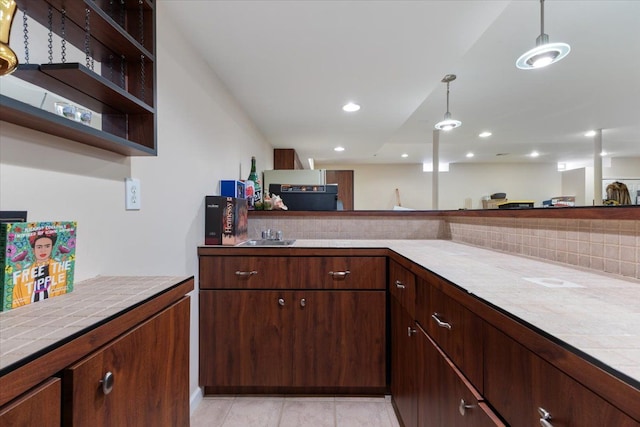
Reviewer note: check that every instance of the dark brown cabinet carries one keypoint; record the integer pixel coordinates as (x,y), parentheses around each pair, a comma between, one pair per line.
(140,379)
(128,369)
(528,391)
(427,386)
(38,407)
(319,328)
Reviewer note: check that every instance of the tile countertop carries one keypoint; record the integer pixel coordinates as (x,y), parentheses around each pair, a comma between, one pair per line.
(25,331)
(596,313)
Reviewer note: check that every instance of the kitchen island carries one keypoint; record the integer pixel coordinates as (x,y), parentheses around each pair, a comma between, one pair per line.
(579,322)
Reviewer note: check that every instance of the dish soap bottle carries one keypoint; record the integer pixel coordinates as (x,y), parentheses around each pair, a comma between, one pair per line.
(257,190)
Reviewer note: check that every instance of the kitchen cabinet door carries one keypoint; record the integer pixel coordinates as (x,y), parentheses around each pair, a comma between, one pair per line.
(38,407)
(405,364)
(140,379)
(339,339)
(522,387)
(245,338)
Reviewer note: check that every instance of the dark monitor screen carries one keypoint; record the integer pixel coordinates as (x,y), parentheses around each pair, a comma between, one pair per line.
(13,216)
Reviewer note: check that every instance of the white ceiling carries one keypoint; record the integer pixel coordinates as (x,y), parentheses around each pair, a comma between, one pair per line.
(293,64)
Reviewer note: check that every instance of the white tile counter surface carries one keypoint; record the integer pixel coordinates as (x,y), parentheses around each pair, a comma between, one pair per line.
(594,312)
(29,329)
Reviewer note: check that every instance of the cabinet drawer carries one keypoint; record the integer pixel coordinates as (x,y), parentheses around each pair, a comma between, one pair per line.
(453,327)
(263,272)
(402,286)
(520,386)
(38,407)
(446,398)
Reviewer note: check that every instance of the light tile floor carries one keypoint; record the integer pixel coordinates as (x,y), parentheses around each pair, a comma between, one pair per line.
(279,411)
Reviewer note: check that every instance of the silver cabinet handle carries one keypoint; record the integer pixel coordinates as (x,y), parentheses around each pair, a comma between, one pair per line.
(464,406)
(440,323)
(246,273)
(545,417)
(303,302)
(281,301)
(107,383)
(410,331)
(400,285)
(339,274)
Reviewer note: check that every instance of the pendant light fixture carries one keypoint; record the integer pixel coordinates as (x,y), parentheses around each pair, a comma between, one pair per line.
(448,123)
(544,53)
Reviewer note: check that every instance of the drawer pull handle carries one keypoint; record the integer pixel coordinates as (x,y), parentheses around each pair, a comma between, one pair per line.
(246,273)
(107,383)
(339,274)
(400,285)
(464,406)
(439,322)
(545,417)
(303,302)
(410,331)
(281,301)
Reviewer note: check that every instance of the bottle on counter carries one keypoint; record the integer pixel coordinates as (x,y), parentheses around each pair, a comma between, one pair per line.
(257,189)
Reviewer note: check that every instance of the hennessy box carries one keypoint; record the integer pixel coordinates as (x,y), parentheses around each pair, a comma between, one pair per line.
(231,188)
(225,220)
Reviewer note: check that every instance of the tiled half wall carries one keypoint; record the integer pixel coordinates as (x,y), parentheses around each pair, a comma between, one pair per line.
(611,246)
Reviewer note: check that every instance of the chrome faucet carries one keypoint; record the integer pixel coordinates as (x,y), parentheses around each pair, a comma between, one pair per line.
(269,235)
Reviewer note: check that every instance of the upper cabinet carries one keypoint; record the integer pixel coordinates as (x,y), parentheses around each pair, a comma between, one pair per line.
(115,82)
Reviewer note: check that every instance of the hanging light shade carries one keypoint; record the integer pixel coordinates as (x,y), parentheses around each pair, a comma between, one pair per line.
(448,123)
(544,53)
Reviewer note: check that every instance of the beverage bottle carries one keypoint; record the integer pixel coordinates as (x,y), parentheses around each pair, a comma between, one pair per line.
(253,176)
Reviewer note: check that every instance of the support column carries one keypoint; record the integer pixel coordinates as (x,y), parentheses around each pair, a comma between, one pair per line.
(597,168)
(436,169)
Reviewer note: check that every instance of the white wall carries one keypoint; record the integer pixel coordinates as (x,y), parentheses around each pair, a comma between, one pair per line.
(203,136)
(622,168)
(463,186)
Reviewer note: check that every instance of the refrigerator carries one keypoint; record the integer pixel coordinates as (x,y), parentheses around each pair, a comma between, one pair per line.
(294,176)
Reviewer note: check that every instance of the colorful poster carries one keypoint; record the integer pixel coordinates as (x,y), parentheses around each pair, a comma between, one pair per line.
(38,262)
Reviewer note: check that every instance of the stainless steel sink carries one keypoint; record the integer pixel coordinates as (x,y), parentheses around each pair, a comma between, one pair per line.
(268,242)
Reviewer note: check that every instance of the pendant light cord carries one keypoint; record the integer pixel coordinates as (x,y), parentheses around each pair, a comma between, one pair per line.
(541,17)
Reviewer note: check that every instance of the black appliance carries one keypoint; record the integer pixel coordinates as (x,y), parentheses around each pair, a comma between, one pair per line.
(323,197)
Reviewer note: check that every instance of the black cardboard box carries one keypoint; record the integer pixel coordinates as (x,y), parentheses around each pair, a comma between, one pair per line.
(225,220)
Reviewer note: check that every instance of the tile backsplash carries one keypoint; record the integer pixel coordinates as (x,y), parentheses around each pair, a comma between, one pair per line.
(611,246)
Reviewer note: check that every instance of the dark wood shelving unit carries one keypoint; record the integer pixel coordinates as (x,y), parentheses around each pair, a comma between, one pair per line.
(122,39)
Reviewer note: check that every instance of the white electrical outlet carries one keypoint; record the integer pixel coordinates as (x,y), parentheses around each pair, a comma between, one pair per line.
(132,194)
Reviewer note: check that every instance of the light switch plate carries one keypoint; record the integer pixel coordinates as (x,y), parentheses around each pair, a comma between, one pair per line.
(132,194)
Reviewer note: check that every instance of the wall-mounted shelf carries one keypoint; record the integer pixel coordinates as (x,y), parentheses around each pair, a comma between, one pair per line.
(22,114)
(121,38)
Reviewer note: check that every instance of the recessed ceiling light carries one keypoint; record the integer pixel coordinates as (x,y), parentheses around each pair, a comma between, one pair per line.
(469,155)
(338,149)
(590,133)
(485,134)
(562,166)
(534,154)
(351,107)
(603,153)
(404,155)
